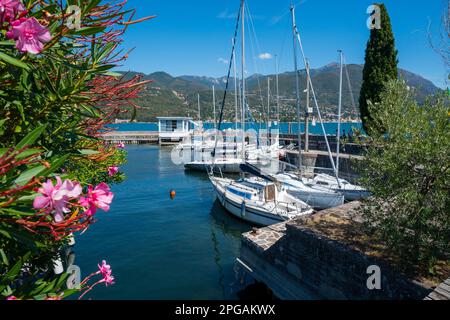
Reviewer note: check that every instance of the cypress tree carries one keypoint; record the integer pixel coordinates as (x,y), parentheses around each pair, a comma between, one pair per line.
(379,67)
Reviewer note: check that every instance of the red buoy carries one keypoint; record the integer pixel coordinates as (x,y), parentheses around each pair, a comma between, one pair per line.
(172,194)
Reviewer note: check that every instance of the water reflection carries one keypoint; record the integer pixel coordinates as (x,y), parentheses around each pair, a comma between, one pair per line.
(222,223)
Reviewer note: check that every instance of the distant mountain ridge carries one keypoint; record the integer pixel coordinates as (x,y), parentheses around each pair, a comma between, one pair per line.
(170,96)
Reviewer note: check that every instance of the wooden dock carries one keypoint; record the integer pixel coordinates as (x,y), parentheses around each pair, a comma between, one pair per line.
(132,137)
(442,292)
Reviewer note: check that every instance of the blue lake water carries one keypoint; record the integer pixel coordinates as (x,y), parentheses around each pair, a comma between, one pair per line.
(330,127)
(161,248)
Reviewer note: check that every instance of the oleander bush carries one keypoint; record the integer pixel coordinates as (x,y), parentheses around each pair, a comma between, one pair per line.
(57,93)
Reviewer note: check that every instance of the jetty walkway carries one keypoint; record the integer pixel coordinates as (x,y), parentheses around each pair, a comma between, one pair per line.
(131,137)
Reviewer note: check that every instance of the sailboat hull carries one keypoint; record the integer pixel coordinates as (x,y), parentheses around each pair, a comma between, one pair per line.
(350,191)
(318,200)
(218,167)
(352,195)
(255,214)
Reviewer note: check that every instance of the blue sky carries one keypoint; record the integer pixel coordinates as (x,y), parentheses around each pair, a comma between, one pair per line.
(194,37)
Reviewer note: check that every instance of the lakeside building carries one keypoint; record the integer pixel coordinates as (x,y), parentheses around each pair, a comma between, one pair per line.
(174,129)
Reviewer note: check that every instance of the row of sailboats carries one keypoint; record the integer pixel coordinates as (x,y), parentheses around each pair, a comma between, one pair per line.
(263,198)
(228,152)
(258,199)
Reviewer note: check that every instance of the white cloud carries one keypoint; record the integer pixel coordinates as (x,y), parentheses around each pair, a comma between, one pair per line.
(233,15)
(265,56)
(222,60)
(276,19)
(226,15)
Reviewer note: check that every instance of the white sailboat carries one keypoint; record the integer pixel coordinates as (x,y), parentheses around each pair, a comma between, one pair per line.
(258,201)
(255,199)
(313,194)
(226,158)
(350,191)
(316,196)
(224,165)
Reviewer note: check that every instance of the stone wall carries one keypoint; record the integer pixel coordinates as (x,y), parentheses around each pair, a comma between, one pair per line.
(306,264)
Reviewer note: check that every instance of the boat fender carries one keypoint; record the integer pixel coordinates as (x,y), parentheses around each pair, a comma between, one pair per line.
(243,209)
(223,198)
(58,267)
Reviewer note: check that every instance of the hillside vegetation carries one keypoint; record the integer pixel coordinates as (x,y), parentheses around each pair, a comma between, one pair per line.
(177,96)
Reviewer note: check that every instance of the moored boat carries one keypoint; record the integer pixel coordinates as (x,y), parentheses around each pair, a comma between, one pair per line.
(350,191)
(258,201)
(316,196)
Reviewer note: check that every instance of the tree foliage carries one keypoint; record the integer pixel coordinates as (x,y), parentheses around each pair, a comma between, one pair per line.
(380,66)
(408,171)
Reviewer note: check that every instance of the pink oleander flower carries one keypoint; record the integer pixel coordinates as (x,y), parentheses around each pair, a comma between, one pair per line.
(56,197)
(9,9)
(106,271)
(113,170)
(29,35)
(98,197)
(120,145)
(11,298)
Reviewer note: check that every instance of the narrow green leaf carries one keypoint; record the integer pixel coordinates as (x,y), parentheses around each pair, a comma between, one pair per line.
(27,175)
(14,271)
(89,31)
(13,61)
(31,137)
(4,258)
(88,152)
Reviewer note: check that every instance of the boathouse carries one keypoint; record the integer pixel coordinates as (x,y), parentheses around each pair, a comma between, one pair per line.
(173,129)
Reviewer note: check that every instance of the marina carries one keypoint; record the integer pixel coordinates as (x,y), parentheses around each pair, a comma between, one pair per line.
(189,235)
(258,154)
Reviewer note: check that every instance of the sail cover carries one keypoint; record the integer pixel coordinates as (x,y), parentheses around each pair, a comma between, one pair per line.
(253,170)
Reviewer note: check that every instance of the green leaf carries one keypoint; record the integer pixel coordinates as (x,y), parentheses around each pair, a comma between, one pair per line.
(27,175)
(54,165)
(7,43)
(5,233)
(113,74)
(88,152)
(40,171)
(13,61)
(14,271)
(31,137)
(4,258)
(24,154)
(87,31)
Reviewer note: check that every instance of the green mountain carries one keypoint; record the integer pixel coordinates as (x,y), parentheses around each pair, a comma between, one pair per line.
(177,96)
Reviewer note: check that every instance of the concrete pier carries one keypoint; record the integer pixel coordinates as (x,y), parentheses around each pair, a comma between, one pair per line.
(131,137)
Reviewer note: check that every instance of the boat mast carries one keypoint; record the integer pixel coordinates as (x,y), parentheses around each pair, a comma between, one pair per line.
(278,93)
(338,137)
(243,81)
(214,105)
(235,88)
(268,111)
(307,109)
(198,104)
(299,136)
(317,106)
